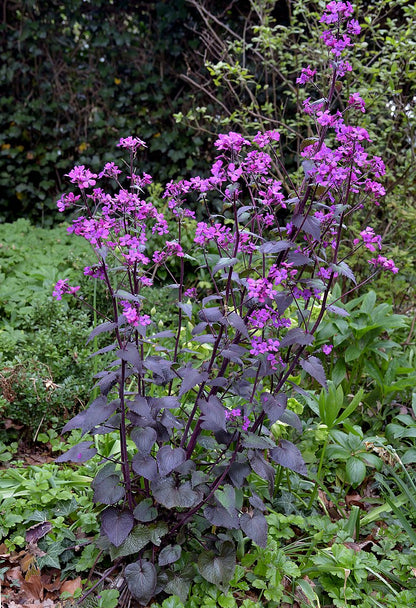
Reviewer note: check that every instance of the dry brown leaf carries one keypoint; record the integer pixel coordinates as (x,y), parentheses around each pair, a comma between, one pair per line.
(4,552)
(71,586)
(28,563)
(33,586)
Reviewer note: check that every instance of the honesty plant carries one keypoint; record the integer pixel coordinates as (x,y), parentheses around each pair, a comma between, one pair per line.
(200,430)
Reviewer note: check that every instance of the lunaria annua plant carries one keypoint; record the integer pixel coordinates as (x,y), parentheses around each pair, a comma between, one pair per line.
(194,433)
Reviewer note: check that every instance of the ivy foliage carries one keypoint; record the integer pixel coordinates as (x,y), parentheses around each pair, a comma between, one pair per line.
(76,76)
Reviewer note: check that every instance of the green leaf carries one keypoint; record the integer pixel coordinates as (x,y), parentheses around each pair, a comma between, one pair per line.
(355,471)
(352,353)
(172,602)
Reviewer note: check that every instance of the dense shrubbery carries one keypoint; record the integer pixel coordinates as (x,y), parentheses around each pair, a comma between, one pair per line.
(77,75)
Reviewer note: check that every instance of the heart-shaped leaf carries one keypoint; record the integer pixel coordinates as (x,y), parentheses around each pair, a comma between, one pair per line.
(171,495)
(145,466)
(108,491)
(169,555)
(255,527)
(116,525)
(218,568)
(169,458)
(145,511)
(141,580)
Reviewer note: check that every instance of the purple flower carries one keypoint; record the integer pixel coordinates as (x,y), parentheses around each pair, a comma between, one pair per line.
(131,143)
(327,349)
(62,287)
(383,262)
(232,141)
(82,177)
(306,75)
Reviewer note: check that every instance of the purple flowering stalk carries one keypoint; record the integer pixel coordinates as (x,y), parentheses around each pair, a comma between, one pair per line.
(201,428)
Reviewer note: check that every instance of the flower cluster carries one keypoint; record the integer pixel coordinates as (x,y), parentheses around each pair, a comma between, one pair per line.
(236,413)
(62,288)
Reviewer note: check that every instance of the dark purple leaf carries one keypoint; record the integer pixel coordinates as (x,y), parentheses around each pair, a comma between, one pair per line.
(107,326)
(145,511)
(141,580)
(237,322)
(243,388)
(116,525)
(255,527)
(204,339)
(257,502)
(145,466)
(108,491)
(211,315)
(296,336)
(275,246)
(126,295)
(219,516)
(224,263)
(98,412)
(337,310)
(221,381)
(210,299)
(234,352)
(218,569)
(282,301)
(79,453)
(273,406)
(310,225)
(292,419)
(199,328)
(186,309)
(140,406)
(104,350)
(168,459)
(173,495)
(287,455)
(262,468)
(156,364)
(344,269)
(169,555)
(238,473)
(144,438)
(309,168)
(213,415)
(159,403)
(299,259)
(170,421)
(131,354)
(190,378)
(38,531)
(168,333)
(314,368)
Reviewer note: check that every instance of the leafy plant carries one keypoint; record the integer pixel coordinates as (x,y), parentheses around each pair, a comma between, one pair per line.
(192,432)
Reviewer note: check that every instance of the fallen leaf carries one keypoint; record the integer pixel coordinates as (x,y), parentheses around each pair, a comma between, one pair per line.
(71,586)
(38,531)
(33,586)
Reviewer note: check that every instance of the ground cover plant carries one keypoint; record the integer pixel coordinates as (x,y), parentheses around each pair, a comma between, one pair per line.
(195,435)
